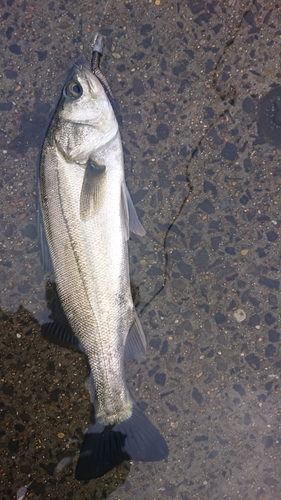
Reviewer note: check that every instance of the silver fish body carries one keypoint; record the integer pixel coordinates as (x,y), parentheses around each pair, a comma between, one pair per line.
(87,214)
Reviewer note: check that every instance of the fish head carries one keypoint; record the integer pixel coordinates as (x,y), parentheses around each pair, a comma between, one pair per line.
(85,119)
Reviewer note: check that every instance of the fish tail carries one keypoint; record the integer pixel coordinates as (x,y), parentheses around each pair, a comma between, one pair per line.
(105,447)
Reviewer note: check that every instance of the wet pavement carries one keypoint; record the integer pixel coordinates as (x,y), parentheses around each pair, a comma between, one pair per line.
(197,86)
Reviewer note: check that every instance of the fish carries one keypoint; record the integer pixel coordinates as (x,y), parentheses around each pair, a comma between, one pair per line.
(85,216)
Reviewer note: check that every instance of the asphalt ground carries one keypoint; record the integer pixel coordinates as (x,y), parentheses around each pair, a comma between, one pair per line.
(197,85)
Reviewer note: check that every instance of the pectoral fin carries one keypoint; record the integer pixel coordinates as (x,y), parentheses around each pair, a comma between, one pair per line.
(131,219)
(93,189)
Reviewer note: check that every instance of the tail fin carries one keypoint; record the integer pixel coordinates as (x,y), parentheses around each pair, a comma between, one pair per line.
(105,447)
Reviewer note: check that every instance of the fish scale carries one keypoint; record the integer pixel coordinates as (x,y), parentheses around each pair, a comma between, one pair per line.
(95,282)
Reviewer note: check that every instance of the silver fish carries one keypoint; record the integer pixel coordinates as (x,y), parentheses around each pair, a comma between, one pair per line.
(85,216)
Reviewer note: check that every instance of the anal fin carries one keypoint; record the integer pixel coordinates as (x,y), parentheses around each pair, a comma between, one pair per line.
(135,346)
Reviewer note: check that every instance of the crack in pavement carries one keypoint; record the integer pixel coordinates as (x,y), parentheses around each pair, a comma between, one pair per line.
(230,95)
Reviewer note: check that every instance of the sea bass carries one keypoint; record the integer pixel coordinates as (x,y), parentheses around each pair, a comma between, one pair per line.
(85,217)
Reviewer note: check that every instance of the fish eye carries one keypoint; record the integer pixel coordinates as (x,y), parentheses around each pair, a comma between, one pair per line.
(73,90)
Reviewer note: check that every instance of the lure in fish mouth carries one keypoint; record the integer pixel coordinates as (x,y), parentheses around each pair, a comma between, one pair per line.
(85,217)
(95,65)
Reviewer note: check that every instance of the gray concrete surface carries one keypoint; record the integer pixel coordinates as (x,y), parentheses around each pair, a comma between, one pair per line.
(197,87)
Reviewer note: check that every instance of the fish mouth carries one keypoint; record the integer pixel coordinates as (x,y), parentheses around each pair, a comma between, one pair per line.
(78,69)
(82,67)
